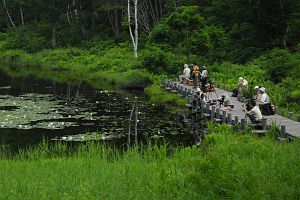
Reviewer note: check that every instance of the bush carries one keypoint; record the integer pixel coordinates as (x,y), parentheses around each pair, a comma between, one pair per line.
(135,79)
(279,64)
(26,39)
(157,61)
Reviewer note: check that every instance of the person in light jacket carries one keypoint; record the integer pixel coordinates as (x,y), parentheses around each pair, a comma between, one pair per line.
(186,73)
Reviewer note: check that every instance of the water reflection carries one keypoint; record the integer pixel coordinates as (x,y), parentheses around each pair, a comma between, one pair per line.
(31,109)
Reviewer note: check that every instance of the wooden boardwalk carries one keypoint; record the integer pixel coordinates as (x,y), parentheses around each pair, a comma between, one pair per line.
(288,126)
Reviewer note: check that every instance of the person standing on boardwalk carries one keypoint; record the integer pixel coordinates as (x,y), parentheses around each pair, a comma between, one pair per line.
(186,73)
(195,74)
(242,85)
(204,74)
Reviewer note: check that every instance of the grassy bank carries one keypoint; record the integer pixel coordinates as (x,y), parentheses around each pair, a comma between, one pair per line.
(102,67)
(227,165)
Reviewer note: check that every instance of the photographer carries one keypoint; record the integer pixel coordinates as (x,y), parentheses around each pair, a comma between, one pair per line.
(257,95)
(198,98)
(204,75)
(195,74)
(253,112)
(226,102)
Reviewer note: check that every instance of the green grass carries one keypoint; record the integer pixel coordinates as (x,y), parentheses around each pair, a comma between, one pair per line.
(226,166)
(160,96)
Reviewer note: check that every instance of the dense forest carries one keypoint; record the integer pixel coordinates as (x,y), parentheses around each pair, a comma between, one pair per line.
(256,39)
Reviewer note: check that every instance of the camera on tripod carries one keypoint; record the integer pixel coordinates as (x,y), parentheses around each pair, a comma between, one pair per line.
(221,100)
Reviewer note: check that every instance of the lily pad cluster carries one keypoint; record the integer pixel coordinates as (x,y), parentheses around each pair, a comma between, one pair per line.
(45,111)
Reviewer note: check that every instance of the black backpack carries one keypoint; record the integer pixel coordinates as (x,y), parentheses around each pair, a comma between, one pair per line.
(235,92)
(266,109)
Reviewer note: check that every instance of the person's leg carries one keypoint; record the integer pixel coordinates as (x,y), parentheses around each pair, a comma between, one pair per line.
(203,83)
(252,119)
(196,82)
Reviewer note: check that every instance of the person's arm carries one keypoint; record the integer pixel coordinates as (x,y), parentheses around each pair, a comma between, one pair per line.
(263,98)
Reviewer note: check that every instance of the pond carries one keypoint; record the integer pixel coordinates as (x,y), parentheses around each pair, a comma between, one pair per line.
(32,109)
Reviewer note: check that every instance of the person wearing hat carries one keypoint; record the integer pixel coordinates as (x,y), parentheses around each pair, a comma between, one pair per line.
(204,75)
(264,97)
(199,97)
(226,102)
(257,95)
(186,73)
(242,86)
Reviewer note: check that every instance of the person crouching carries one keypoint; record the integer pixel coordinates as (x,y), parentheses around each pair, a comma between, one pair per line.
(253,112)
(226,102)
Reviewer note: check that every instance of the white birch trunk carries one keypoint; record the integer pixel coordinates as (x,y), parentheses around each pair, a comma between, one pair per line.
(22,16)
(134,37)
(8,15)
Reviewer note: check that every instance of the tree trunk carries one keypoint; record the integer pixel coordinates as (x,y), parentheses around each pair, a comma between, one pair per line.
(53,40)
(116,21)
(161,8)
(136,28)
(135,37)
(285,35)
(8,15)
(22,16)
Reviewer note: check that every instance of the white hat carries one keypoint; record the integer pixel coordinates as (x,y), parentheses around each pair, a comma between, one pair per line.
(262,89)
(256,87)
(198,89)
(186,65)
(241,78)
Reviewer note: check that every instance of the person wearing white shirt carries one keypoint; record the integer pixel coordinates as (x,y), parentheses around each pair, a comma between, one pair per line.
(257,95)
(186,73)
(242,86)
(264,99)
(254,113)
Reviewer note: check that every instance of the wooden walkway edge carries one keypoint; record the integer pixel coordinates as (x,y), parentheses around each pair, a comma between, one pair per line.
(237,114)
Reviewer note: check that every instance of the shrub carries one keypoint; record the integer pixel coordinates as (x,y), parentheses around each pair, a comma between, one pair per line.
(157,61)
(26,39)
(135,79)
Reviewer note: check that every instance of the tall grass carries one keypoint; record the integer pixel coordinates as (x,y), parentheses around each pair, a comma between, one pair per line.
(226,165)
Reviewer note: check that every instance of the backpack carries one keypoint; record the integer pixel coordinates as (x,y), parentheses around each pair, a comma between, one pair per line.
(266,109)
(235,92)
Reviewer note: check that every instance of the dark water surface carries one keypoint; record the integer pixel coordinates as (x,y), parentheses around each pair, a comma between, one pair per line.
(32,109)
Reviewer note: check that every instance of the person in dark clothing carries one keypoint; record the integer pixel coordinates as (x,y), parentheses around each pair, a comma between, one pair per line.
(204,75)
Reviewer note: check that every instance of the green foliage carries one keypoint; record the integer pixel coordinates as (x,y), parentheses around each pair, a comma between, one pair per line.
(135,79)
(26,39)
(158,61)
(187,32)
(279,64)
(178,27)
(160,96)
(226,166)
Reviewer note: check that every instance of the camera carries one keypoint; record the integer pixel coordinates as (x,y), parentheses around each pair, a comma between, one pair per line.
(221,99)
(247,106)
